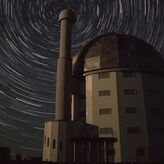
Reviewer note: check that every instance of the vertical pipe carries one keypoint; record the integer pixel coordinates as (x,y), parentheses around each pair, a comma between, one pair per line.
(64,68)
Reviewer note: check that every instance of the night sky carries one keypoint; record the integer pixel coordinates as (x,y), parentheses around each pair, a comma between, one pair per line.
(29,47)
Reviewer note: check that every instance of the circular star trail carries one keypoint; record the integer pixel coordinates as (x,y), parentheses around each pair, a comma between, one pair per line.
(29,46)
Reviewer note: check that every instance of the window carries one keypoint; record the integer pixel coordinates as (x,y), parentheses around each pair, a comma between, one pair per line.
(105,111)
(133,130)
(103,75)
(153,92)
(106,131)
(130,110)
(48,142)
(130,92)
(44,139)
(155,111)
(105,93)
(140,152)
(61,146)
(82,87)
(82,96)
(129,74)
(82,113)
(158,131)
(54,144)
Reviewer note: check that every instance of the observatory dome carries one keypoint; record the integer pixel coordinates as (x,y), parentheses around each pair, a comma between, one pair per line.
(115,51)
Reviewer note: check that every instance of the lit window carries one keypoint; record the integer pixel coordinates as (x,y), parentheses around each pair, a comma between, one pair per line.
(105,93)
(133,130)
(130,91)
(105,111)
(129,74)
(130,110)
(106,131)
(103,75)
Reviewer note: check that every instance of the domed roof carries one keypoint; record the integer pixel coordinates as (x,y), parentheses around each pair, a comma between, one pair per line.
(118,51)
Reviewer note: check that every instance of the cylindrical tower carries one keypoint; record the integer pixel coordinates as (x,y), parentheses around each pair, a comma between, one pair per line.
(64,68)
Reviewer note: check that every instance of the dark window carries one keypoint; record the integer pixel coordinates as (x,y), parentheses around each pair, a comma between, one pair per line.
(140,152)
(133,130)
(82,113)
(105,111)
(105,93)
(44,139)
(155,111)
(106,131)
(130,92)
(54,143)
(82,96)
(130,110)
(103,75)
(48,142)
(111,152)
(82,106)
(129,74)
(82,87)
(153,92)
(158,131)
(61,146)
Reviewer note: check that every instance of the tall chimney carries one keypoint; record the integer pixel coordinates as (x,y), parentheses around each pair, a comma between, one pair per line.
(64,68)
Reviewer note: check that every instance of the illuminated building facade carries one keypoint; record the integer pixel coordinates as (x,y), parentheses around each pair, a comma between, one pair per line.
(66,139)
(124,80)
(112,89)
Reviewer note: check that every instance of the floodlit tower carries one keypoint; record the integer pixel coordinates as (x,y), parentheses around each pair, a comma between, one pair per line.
(64,138)
(64,68)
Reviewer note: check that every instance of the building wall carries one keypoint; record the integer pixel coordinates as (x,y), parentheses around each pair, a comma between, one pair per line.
(63,133)
(127,125)
(56,143)
(154,105)
(78,100)
(109,123)
(133,126)
(49,153)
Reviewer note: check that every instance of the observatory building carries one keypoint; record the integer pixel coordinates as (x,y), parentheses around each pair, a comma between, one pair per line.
(67,139)
(113,90)
(123,81)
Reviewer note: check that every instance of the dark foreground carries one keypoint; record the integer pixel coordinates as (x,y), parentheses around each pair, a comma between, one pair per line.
(41,162)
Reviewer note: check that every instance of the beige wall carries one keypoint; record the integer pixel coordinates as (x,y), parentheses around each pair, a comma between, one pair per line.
(55,130)
(131,142)
(149,93)
(49,154)
(63,132)
(94,102)
(119,120)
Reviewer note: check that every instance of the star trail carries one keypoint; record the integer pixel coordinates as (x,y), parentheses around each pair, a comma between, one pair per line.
(29,47)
